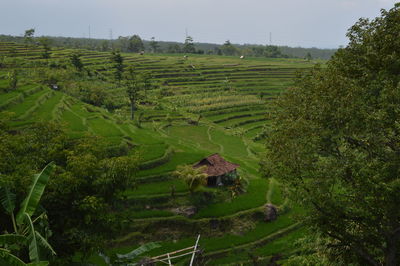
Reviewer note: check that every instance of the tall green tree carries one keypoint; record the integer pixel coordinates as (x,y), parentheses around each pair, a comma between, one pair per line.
(228,49)
(188,46)
(137,86)
(118,61)
(105,45)
(46,45)
(75,59)
(28,36)
(154,45)
(135,44)
(335,143)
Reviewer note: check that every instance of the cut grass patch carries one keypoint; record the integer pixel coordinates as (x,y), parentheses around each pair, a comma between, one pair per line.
(254,197)
(103,127)
(28,103)
(154,188)
(177,159)
(196,135)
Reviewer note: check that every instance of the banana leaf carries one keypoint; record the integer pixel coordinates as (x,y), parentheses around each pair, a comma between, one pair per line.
(39,263)
(7,199)
(9,239)
(31,201)
(33,245)
(43,242)
(140,250)
(6,258)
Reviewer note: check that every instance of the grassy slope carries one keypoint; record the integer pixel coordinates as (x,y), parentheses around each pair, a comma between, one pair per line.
(197,85)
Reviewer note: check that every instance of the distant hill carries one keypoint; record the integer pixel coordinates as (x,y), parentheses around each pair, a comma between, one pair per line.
(122,43)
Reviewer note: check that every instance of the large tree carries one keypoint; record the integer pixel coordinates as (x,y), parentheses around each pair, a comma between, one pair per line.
(46,44)
(137,85)
(75,59)
(154,45)
(82,194)
(228,48)
(135,44)
(28,36)
(118,61)
(335,143)
(188,46)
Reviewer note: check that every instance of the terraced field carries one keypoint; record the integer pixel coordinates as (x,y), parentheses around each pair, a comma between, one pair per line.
(227,96)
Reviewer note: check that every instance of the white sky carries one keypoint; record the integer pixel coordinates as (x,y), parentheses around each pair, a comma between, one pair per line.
(306,23)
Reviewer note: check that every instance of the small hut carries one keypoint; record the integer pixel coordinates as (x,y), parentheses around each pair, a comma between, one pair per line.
(219,171)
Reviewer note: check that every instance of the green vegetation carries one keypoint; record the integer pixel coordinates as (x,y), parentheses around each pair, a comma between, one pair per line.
(120,165)
(333,144)
(26,231)
(135,44)
(193,177)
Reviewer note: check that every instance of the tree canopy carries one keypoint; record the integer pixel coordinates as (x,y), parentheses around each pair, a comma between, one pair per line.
(135,44)
(334,141)
(81,192)
(188,46)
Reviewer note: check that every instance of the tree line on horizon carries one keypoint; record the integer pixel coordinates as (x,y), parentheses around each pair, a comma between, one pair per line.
(136,44)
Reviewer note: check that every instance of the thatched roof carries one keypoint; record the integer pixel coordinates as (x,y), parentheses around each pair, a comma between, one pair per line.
(216,165)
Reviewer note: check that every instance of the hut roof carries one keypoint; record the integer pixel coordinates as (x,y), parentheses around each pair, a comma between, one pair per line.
(216,165)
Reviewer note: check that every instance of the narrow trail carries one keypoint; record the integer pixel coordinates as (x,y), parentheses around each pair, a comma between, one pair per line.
(270,190)
(221,148)
(41,99)
(259,242)
(84,120)
(249,152)
(57,107)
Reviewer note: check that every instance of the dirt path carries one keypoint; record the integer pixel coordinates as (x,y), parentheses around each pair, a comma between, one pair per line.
(221,148)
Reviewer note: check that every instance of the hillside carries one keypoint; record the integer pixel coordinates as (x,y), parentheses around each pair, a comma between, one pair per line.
(171,47)
(204,104)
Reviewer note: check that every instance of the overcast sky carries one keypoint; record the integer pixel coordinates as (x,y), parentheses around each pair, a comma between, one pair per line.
(306,23)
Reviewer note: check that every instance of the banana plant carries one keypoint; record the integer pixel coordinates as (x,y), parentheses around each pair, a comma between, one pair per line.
(23,225)
(128,258)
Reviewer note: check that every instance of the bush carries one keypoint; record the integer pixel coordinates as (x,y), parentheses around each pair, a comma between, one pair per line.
(207,196)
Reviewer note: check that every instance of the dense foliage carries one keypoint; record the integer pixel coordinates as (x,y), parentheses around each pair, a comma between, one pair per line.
(82,195)
(135,44)
(335,142)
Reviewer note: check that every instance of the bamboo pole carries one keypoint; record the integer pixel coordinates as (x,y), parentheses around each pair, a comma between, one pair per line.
(194,251)
(169,260)
(177,251)
(178,256)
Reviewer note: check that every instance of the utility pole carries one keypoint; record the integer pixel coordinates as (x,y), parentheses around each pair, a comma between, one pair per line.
(89,31)
(111,34)
(270,38)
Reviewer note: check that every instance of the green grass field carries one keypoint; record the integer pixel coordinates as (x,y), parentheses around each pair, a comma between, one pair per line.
(203,105)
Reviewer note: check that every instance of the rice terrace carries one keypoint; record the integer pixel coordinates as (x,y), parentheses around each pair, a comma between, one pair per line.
(133,152)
